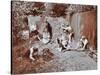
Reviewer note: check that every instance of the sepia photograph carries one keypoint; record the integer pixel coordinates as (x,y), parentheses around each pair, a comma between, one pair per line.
(53,37)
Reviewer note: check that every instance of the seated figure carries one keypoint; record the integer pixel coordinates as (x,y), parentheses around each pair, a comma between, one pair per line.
(83,43)
(45,33)
(69,31)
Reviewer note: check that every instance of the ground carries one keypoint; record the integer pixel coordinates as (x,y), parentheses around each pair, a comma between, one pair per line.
(67,61)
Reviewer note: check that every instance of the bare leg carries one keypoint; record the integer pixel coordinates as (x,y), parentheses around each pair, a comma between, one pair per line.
(70,38)
(30,56)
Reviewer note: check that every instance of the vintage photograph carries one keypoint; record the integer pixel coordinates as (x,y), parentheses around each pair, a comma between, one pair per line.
(53,37)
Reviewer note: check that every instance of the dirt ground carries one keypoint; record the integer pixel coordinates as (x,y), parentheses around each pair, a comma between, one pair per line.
(56,62)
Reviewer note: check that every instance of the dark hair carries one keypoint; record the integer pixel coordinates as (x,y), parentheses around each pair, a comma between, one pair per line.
(49,28)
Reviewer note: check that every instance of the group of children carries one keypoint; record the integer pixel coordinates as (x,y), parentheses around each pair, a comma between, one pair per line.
(45,36)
